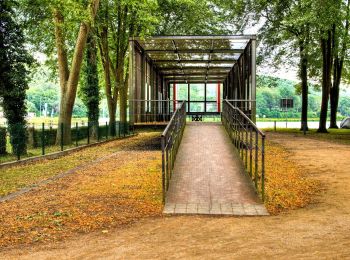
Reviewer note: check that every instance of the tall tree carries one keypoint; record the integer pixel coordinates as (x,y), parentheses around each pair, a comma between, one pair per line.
(14,61)
(60,28)
(89,90)
(327,19)
(285,35)
(69,78)
(117,21)
(191,17)
(341,35)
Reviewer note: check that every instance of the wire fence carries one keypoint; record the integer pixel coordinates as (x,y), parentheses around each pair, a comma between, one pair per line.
(48,139)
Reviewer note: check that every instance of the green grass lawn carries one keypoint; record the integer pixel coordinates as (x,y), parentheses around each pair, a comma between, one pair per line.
(334,135)
(316,119)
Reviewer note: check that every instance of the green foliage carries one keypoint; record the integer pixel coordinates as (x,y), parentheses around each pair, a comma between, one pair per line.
(190,17)
(14,60)
(2,140)
(89,91)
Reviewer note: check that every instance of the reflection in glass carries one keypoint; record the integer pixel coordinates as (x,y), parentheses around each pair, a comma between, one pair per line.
(197,92)
(197,106)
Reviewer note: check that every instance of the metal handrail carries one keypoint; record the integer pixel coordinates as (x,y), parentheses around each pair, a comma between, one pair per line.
(249,141)
(170,142)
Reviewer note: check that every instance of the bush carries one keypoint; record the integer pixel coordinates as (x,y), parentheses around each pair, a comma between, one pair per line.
(2,140)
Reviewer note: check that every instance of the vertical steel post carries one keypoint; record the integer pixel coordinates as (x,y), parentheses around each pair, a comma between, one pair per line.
(98,130)
(263,168)
(88,132)
(163,168)
(251,151)
(62,136)
(132,81)
(76,134)
(246,144)
(256,159)
(253,84)
(218,100)
(43,139)
(174,97)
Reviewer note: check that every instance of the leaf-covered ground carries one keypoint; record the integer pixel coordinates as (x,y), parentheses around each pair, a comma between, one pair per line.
(15,178)
(287,185)
(113,185)
(317,231)
(117,190)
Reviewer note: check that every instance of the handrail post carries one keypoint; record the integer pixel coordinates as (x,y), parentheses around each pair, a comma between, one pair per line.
(243,138)
(163,168)
(256,159)
(263,168)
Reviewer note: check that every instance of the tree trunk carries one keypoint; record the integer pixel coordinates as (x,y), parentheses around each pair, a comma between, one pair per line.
(304,86)
(69,79)
(110,96)
(90,88)
(337,73)
(326,47)
(68,93)
(334,92)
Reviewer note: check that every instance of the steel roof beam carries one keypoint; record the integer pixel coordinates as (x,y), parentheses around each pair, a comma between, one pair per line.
(196,61)
(197,37)
(236,51)
(194,68)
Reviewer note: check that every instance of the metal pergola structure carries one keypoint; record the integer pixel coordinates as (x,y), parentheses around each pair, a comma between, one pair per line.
(157,62)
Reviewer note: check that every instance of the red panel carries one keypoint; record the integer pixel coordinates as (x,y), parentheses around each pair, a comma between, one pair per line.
(219,98)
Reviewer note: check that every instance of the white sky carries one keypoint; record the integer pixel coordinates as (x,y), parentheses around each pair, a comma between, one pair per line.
(284,72)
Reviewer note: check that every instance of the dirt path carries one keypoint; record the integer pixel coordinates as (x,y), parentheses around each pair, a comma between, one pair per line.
(320,230)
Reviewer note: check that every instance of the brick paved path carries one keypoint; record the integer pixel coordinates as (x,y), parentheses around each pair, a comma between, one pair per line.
(209,177)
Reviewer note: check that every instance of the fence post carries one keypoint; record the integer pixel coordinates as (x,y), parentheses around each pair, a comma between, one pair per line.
(61,136)
(88,132)
(98,130)
(256,159)
(251,151)
(76,134)
(263,168)
(275,125)
(163,169)
(43,139)
(106,131)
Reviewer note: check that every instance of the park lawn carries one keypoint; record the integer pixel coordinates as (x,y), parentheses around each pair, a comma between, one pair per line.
(296,119)
(335,135)
(17,177)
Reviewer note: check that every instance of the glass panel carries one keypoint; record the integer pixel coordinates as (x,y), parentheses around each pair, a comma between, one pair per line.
(212,107)
(212,92)
(182,91)
(171,91)
(197,92)
(197,106)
